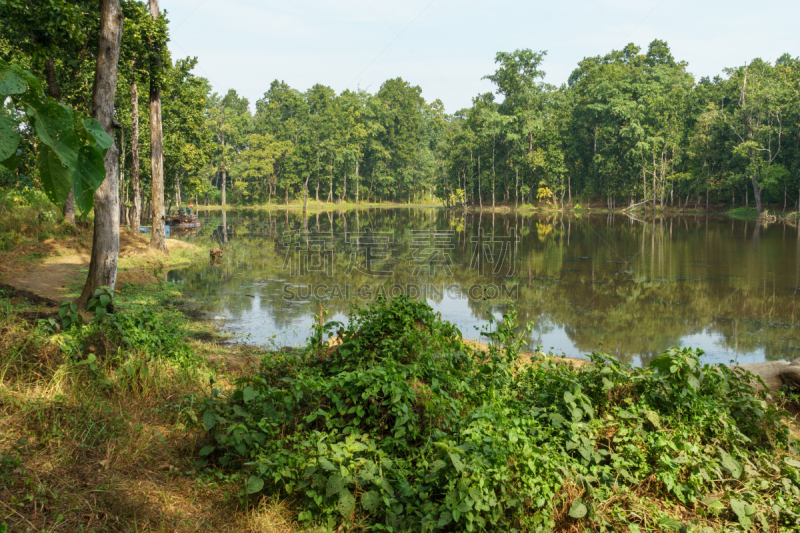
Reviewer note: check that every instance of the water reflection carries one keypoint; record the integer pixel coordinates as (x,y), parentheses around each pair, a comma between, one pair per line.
(630,286)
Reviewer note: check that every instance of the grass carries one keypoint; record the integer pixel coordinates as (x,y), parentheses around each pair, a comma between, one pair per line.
(110,445)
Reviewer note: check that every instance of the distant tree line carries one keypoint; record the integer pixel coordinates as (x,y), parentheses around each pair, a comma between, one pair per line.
(627,128)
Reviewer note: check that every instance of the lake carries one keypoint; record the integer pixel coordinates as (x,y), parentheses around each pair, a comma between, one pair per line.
(630,286)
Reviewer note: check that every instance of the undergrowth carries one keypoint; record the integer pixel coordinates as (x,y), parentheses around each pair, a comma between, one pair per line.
(94,424)
(28,217)
(743,213)
(401,427)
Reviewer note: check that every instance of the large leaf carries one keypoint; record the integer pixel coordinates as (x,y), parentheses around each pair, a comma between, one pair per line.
(9,136)
(370,500)
(57,177)
(54,126)
(578,508)
(347,503)
(101,139)
(254,484)
(334,486)
(89,175)
(11,82)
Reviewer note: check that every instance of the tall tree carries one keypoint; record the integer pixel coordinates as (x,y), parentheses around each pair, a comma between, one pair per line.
(158,239)
(105,242)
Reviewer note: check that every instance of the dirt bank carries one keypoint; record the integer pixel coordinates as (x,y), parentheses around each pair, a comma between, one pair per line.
(49,268)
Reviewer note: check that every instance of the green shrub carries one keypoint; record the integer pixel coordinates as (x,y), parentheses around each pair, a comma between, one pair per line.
(403,428)
(750,213)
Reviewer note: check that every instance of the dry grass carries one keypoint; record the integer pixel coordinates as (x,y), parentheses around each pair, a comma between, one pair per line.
(108,452)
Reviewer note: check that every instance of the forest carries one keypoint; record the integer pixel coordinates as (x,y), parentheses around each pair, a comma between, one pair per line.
(632,127)
(130,402)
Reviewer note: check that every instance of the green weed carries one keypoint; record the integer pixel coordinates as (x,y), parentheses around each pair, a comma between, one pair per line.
(403,428)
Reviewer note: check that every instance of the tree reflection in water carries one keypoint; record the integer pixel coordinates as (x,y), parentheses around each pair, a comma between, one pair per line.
(631,286)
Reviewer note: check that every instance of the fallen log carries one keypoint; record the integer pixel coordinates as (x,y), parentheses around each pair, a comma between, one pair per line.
(775,374)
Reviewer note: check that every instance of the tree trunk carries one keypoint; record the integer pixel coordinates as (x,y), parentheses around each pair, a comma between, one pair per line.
(480,196)
(224,169)
(105,242)
(357,178)
(757,194)
(135,191)
(123,220)
(158,239)
(305,195)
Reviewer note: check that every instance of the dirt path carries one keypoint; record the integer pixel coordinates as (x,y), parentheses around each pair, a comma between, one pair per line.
(64,264)
(52,277)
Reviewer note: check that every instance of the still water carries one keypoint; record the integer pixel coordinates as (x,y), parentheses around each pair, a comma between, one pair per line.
(629,286)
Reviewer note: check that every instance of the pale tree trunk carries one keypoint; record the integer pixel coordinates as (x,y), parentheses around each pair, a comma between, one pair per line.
(224,169)
(123,219)
(158,239)
(357,176)
(137,196)
(305,196)
(105,242)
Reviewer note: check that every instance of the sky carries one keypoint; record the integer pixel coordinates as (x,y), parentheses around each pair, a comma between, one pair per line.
(447,46)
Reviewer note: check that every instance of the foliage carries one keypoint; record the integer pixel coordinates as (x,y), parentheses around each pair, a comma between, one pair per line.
(27,216)
(402,427)
(71,148)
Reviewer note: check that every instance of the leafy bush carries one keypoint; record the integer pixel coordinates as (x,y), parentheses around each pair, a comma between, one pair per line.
(749,213)
(401,427)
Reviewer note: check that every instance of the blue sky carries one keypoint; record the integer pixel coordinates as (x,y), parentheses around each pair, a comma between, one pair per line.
(447,46)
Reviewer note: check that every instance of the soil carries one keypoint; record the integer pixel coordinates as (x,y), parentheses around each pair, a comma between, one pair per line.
(65,264)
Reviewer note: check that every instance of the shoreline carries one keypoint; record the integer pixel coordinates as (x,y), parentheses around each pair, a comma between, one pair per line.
(527,209)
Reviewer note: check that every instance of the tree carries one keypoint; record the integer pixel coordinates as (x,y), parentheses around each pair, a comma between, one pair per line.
(105,241)
(757,121)
(158,239)
(54,36)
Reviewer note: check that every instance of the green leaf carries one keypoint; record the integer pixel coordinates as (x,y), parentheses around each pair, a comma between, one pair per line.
(327,465)
(741,509)
(9,136)
(11,82)
(370,501)
(248,394)
(444,519)
(55,128)
(205,450)
(653,418)
(254,484)
(90,171)
(791,462)
(578,509)
(57,177)
(347,503)
(101,139)
(732,465)
(456,460)
(334,486)
(670,524)
(209,419)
